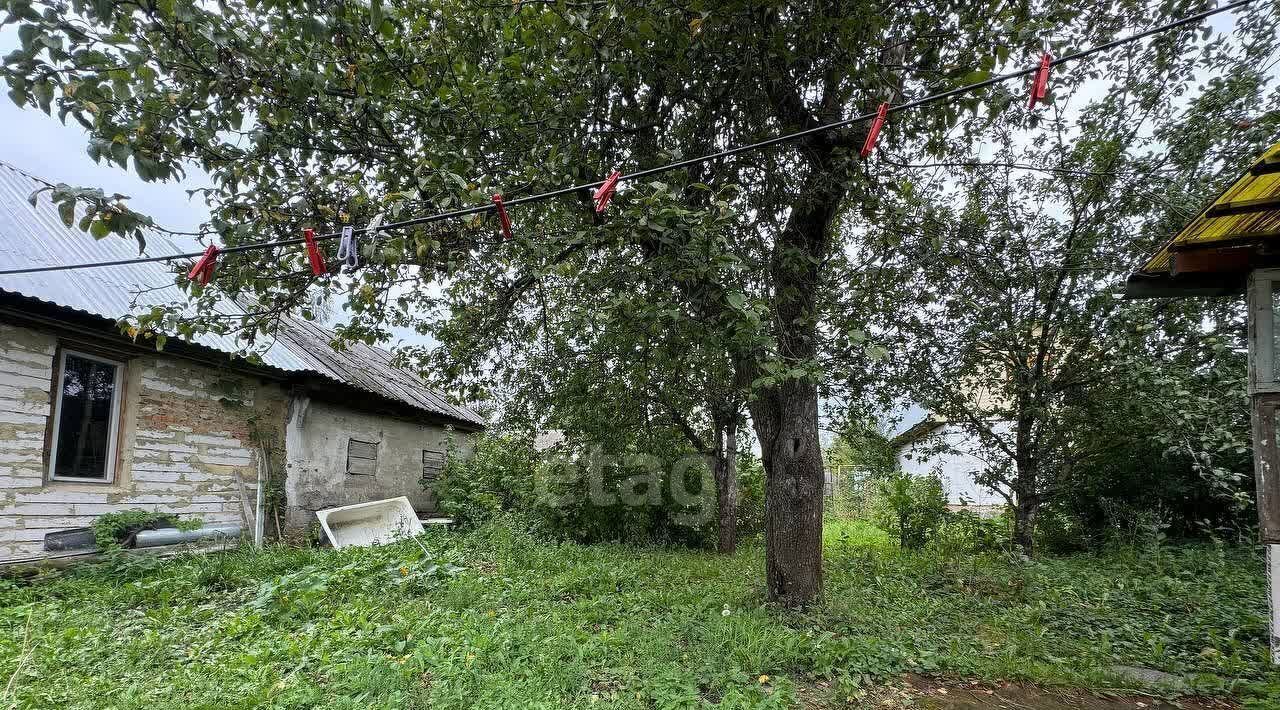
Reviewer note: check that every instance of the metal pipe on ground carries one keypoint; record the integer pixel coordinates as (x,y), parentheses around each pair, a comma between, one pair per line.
(174,536)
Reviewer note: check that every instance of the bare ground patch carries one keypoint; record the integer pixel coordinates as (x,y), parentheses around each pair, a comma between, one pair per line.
(926,693)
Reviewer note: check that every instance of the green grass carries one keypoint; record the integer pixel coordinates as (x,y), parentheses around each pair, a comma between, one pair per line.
(529,623)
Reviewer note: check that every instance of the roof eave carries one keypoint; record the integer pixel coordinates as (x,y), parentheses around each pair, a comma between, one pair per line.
(1141,286)
(917,431)
(37,313)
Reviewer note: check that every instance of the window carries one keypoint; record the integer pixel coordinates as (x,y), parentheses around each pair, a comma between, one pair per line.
(432,464)
(86,418)
(362,457)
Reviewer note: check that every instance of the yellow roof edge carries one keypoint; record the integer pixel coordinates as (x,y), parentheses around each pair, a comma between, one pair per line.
(1269,156)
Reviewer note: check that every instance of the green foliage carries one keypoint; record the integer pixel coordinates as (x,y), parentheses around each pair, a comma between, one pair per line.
(725,285)
(862,447)
(1060,532)
(912,508)
(101,215)
(857,462)
(634,498)
(497,477)
(1000,292)
(111,530)
(1176,436)
(964,532)
(497,617)
(348,106)
(751,478)
(587,498)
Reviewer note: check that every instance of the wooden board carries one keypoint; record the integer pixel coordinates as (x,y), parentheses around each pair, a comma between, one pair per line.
(362,458)
(1266,465)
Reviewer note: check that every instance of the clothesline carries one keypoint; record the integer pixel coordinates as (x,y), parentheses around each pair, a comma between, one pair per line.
(605,186)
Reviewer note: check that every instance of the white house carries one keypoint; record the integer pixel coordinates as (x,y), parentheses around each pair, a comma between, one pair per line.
(933,446)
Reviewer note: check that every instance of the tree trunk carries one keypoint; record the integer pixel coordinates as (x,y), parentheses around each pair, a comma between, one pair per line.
(726,474)
(786,421)
(785,414)
(1024,523)
(1026,482)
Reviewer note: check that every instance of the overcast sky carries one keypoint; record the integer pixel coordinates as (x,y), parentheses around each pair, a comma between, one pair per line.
(42,146)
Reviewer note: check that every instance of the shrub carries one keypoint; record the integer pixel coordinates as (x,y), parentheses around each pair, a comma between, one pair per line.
(635,499)
(912,508)
(1060,531)
(628,500)
(966,532)
(113,530)
(497,477)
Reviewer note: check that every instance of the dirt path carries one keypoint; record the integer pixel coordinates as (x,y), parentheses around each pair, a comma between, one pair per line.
(948,694)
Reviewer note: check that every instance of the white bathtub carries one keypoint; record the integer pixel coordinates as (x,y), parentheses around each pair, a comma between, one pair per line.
(374,523)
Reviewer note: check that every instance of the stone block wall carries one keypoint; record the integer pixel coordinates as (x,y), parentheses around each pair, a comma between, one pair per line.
(186,431)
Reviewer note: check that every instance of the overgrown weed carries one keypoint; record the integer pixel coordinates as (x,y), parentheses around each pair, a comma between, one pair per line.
(502,617)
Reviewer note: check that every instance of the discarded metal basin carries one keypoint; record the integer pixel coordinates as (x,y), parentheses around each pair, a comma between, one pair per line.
(374,523)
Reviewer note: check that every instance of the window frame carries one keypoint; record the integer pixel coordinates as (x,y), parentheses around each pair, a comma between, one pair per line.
(377,451)
(113,430)
(444,460)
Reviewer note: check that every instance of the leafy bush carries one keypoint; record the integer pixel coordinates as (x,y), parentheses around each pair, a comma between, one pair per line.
(912,508)
(638,499)
(1177,450)
(497,477)
(113,530)
(1058,531)
(966,532)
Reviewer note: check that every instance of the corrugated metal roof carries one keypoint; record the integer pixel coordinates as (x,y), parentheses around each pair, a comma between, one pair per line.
(1247,210)
(367,368)
(35,236)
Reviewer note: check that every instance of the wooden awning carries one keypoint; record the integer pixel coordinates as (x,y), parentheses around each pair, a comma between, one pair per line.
(1234,234)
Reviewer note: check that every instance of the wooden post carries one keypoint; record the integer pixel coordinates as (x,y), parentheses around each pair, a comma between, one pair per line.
(1266,464)
(1264,470)
(1264,397)
(1273,599)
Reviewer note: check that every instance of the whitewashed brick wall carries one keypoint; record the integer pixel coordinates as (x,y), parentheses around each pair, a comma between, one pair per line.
(184,435)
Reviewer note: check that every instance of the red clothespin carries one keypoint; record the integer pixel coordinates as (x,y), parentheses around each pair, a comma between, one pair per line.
(605,192)
(202,271)
(873,133)
(314,254)
(1040,85)
(502,216)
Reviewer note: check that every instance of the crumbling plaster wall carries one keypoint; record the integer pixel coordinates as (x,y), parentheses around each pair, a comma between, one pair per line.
(316,442)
